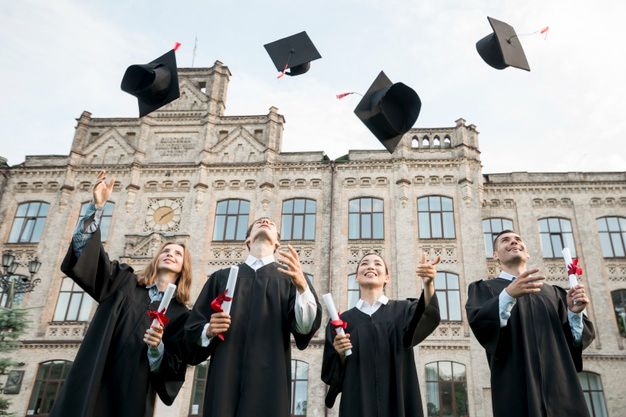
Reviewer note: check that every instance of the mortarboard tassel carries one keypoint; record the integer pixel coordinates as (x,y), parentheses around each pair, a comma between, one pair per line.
(176,46)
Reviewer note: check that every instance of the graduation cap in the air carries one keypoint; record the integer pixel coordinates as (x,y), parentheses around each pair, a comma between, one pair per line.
(154,84)
(502,48)
(388,110)
(294,52)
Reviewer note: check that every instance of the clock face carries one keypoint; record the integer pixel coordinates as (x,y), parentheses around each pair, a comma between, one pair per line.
(163,214)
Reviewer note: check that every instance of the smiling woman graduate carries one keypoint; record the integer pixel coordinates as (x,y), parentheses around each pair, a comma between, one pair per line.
(379,378)
(123,359)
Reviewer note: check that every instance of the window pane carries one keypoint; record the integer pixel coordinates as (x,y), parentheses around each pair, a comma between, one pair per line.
(435,203)
(72,311)
(448,225)
(378,204)
(43,210)
(554,225)
(354,206)
(105,224)
(546,246)
(285,231)
(353,227)
(446,399)
(543,225)
(602,226)
(453,282)
(297,227)
(432,398)
(366,226)
(108,209)
(218,233)
(446,204)
(566,225)
(568,241)
(422,204)
(309,229)
(594,382)
(487,226)
(85,308)
(598,404)
(288,206)
(435,222)
(33,209)
(17,228)
(584,380)
(21,210)
(242,226)
(38,229)
(454,307)
(458,372)
(221,207)
(231,223)
(605,243)
(298,206)
(440,281)
(506,224)
(424,226)
(617,244)
(378,226)
(311,206)
(445,371)
(557,247)
(59,313)
(302,370)
(366,205)
(28,230)
(443,305)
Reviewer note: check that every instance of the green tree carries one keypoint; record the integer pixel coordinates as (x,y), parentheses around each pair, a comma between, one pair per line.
(13,324)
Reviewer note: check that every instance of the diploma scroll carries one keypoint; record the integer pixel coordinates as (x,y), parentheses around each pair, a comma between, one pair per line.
(567,256)
(230,288)
(165,301)
(334,315)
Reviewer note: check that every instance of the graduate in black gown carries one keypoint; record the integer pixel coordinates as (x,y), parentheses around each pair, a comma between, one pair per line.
(123,361)
(533,333)
(250,369)
(379,378)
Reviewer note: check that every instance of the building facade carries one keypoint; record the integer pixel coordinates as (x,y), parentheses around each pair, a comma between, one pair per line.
(188,172)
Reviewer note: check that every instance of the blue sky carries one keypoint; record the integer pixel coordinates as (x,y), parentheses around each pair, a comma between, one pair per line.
(64,56)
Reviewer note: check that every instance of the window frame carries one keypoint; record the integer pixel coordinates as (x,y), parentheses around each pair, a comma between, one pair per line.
(239,216)
(453,383)
(561,236)
(447,293)
(305,217)
(427,234)
(588,394)
(620,316)
(40,391)
(37,220)
(106,220)
(74,291)
(373,213)
(197,380)
(492,234)
(620,233)
(293,381)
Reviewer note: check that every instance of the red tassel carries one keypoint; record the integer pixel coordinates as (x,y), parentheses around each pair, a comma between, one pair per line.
(282,73)
(176,46)
(544,31)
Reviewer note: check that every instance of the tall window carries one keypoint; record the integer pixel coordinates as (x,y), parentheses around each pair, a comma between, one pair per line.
(50,378)
(446,389)
(491,228)
(365,217)
(28,223)
(231,220)
(449,296)
(17,297)
(619,305)
(354,293)
(299,386)
(594,394)
(105,222)
(556,233)
(199,387)
(436,217)
(612,236)
(298,219)
(73,304)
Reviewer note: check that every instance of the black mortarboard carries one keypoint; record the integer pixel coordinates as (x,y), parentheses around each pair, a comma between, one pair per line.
(388,110)
(502,48)
(294,52)
(154,84)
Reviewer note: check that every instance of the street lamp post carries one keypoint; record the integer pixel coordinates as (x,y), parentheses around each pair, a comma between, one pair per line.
(12,283)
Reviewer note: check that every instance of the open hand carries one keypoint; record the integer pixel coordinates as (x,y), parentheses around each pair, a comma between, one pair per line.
(102,189)
(525,284)
(426,269)
(291,260)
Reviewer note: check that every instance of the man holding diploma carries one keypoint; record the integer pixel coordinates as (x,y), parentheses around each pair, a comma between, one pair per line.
(379,379)
(250,368)
(533,333)
(124,359)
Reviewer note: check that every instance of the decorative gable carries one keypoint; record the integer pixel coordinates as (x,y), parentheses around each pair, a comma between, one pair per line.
(239,146)
(110,148)
(191,98)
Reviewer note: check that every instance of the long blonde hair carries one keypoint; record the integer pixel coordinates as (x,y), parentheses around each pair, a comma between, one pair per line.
(183,282)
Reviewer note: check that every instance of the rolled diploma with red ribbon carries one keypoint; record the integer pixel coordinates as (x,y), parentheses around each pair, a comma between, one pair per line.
(334,315)
(230,288)
(567,256)
(165,301)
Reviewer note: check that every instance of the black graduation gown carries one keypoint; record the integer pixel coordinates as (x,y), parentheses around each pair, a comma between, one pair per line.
(249,372)
(111,374)
(533,360)
(379,378)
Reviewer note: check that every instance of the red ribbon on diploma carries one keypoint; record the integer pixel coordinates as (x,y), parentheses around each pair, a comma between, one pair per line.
(573,269)
(159,316)
(339,323)
(216,305)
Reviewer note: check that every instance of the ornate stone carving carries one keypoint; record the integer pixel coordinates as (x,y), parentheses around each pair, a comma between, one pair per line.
(145,247)
(358,250)
(447,252)
(617,271)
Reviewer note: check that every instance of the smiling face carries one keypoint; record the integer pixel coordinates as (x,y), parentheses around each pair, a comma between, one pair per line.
(265,229)
(372,272)
(510,249)
(171,258)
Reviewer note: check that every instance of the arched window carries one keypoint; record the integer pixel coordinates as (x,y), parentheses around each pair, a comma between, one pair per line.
(425,142)
(446,389)
(231,220)
(365,219)
(449,296)
(199,387)
(50,378)
(436,142)
(491,228)
(619,306)
(299,387)
(594,394)
(298,219)
(415,142)
(436,217)
(73,304)
(29,221)
(556,233)
(447,142)
(354,293)
(107,216)
(612,236)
